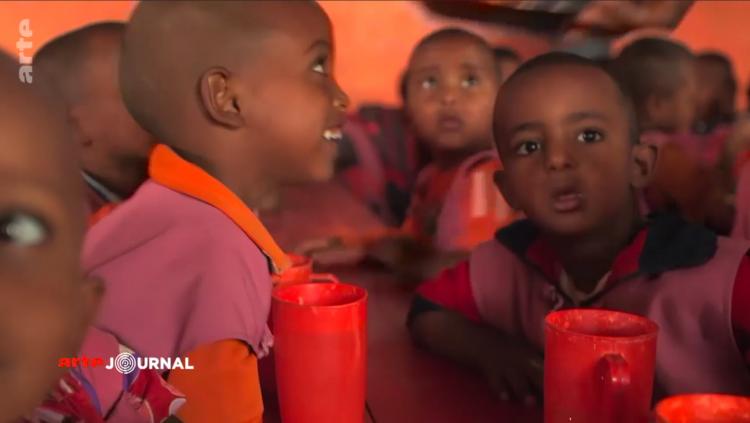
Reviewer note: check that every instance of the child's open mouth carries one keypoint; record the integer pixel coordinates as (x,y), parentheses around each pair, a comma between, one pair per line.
(333,135)
(566,202)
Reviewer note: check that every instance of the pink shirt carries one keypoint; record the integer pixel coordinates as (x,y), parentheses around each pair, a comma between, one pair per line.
(178,274)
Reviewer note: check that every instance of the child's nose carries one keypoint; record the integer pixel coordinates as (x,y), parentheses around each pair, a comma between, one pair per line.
(448,96)
(558,156)
(340,99)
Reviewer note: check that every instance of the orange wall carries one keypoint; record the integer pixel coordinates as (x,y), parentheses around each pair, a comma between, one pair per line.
(374,37)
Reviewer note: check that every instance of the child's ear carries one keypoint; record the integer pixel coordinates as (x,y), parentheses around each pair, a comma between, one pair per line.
(500,182)
(92,291)
(644,160)
(219,99)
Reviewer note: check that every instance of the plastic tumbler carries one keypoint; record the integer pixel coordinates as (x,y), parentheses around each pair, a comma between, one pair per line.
(321,352)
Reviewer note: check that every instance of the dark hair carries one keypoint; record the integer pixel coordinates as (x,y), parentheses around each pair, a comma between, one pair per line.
(61,60)
(717,58)
(562,59)
(506,53)
(649,66)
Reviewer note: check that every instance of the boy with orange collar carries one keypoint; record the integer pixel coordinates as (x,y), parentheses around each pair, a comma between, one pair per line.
(186,260)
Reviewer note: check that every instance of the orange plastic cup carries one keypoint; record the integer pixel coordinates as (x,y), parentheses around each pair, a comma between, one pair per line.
(301,271)
(321,352)
(704,408)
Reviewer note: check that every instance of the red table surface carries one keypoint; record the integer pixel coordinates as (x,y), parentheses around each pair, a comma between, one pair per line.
(407,384)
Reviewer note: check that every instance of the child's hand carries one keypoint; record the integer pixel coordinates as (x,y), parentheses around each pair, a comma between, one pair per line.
(515,371)
(331,251)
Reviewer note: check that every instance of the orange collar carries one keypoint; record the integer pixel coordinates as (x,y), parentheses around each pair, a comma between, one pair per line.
(172,171)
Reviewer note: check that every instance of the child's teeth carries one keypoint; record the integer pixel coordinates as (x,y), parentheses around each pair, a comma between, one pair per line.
(332,134)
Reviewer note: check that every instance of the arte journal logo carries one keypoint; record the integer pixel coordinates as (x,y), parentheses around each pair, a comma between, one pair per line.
(127,362)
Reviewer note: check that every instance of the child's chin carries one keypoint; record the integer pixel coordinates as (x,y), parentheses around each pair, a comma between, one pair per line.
(322,173)
(567,225)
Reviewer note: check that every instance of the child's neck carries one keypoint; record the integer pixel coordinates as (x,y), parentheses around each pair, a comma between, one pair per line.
(254,197)
(447,159)
(586,259)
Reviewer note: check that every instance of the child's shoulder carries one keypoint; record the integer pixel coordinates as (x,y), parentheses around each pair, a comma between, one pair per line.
(164,221)
(509,244)
(482,162)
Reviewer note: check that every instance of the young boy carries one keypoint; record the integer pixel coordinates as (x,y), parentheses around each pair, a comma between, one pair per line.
(507,60)
(717,90)
(660,76)
(563,127)
(451,83)
(242,96)
(45,302)
(81,69)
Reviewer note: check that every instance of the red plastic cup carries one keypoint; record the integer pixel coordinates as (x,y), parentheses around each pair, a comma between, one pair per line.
(598,366)
(704,408)
(321,352)
(301,271)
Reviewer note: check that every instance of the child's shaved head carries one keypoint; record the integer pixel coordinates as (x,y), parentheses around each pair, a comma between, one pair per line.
(655,73)
(81,69)
(194,36)
(568,59)
(44,305)
(64,62)
(243,89)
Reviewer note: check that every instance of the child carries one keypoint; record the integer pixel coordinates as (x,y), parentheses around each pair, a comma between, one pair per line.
(717,90)
(450,88)
(660,76)
(242,96)
(379,160)
(81,68)
(507,60)
(562,127)
(46,302)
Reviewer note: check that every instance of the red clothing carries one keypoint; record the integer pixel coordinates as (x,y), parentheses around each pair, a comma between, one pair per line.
(458,208)
(426,203)
(452,288)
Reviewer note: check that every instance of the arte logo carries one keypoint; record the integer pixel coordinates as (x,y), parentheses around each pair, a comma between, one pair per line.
(24,43)
(127,362)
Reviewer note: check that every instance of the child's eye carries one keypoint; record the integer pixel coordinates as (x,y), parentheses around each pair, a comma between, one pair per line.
(321,65)
(469,81)
(22,229)
(429,82)
(527,147)
(590,136)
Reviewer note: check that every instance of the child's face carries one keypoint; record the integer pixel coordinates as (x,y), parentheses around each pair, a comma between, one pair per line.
(45,305)
(292,102)
(677,112)
(563,135)
(451,88)
(712,96)
(115,147)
